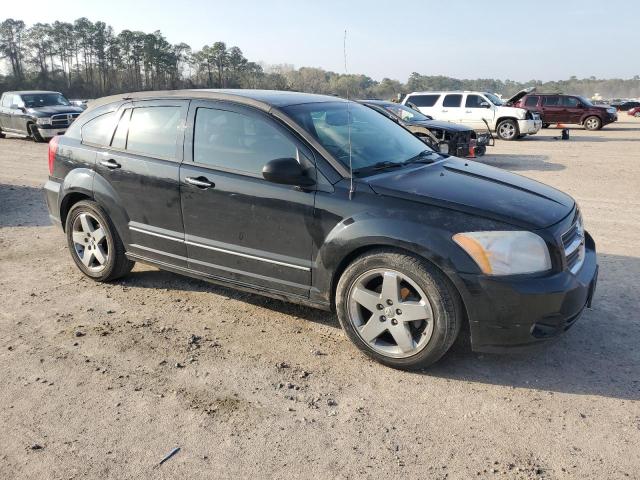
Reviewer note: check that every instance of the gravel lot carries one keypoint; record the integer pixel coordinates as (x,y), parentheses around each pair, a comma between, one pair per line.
(102,381)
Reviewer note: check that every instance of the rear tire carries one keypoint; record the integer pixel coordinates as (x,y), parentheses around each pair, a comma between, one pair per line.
(637,114)
(507,130)
(1,134)
(592,123)
(94,243)
(546,125)
(421,312)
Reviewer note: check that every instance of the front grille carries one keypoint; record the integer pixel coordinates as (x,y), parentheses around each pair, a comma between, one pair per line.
(63,120)
(573,243)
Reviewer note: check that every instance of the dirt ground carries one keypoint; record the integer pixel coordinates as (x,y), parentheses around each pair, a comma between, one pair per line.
(102,381)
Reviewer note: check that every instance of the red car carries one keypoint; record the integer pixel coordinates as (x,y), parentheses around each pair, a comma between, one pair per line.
(634,112)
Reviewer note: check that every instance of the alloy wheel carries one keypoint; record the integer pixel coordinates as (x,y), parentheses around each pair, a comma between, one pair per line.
(391,313)
(591,123)
(90,242)
(507,130)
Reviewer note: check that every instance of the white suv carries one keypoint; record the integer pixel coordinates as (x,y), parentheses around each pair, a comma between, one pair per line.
(472,108)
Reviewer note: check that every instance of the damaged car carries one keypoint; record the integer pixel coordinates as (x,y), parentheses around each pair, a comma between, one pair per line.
(443,137)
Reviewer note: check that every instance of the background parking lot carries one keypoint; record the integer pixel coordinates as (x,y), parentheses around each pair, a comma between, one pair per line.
(102,380)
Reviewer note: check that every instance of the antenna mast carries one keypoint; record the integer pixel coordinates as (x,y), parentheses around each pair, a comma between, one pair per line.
(344,49)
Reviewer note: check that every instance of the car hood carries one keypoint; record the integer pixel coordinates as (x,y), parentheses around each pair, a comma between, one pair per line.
(477,189)
(519,95)
(448,126)
(54,110)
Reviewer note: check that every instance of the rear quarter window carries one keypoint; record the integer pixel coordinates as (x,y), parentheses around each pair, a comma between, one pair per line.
(423,100)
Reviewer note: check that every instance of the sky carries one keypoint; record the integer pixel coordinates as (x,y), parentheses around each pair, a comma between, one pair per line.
(544,40)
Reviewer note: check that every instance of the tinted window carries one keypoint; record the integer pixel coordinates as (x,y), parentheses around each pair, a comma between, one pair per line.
(238,142)
(153,131)
(452,101)
(551,101)
(35,100)
(473,101)
(570,102)
(423,100)
(99,129)
(531,102)
(120,137)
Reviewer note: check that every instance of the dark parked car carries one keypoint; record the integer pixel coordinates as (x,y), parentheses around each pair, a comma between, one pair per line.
(626,105)
(559,108)
(444,137)
(36,114)
(324,202)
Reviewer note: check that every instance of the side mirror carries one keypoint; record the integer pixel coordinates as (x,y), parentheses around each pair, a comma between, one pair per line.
(485,105)
(286,171)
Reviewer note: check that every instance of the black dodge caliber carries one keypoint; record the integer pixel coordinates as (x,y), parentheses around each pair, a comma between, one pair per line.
(324,202)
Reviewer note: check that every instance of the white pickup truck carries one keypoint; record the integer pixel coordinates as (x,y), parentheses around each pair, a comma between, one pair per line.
(474,108)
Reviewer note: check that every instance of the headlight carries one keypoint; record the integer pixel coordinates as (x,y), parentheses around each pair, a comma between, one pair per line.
(506,253)
(43,121)
(611,110)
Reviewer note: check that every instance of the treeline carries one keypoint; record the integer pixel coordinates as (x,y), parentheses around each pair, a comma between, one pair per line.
(84,59)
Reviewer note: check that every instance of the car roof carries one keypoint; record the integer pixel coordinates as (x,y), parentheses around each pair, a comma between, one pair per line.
(264,99)
(30,92)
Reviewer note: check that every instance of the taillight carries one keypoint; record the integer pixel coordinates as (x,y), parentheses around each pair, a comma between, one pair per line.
(53,148)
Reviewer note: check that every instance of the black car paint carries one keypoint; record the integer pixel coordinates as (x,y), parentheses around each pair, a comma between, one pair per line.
(18,120)
(293,243)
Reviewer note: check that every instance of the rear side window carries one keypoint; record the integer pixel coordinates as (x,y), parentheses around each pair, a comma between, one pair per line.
(153,131)
(551,101)
(238,142)
(452,100)
(531,102)
(6,100)
(423,100)
(473,101)
(98,130)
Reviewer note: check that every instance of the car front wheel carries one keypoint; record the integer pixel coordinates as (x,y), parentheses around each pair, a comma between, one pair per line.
(94,244)
(507,130)
(398,309)
(592,123)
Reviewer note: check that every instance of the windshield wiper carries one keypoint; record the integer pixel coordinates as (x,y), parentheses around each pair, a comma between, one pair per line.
(378,166)
(426,156)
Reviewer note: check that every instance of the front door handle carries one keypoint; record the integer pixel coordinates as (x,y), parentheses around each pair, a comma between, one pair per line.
(111,163)
(200,182)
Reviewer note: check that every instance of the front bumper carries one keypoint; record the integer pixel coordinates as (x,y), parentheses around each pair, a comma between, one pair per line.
(506,313)
(50,132)
(529,127)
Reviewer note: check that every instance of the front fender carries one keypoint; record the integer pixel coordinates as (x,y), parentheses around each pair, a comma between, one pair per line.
(364,231)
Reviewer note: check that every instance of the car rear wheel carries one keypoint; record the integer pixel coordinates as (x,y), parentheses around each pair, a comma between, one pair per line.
(592,123)
(507,130)
(637,114)
(398,309)
(94,244)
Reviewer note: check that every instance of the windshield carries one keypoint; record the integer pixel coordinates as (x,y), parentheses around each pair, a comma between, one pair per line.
(586,101)
(35,100)
(494,99)
(375,140)
(405,113)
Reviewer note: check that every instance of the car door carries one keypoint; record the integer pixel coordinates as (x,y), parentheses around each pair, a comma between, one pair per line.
(476,110)
(553,110)
(238,226)
(141,166)
(451,109)
(573,109)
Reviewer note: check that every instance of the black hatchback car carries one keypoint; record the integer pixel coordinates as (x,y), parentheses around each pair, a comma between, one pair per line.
(324,202)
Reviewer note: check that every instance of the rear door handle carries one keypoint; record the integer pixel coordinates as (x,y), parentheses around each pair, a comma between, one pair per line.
(444,110)
(468,111)
(111,163)
(200,182)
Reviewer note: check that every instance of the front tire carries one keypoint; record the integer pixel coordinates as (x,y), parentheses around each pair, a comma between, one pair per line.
(507,130)
(94,243)
(398,309)
(592,123)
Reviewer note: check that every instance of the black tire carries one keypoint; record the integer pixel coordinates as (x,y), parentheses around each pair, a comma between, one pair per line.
(592,123)
(444,300)
(546,125)
(507,130)
(480,151)
(637,114)
(35,134)
(1,134)
(117,264)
